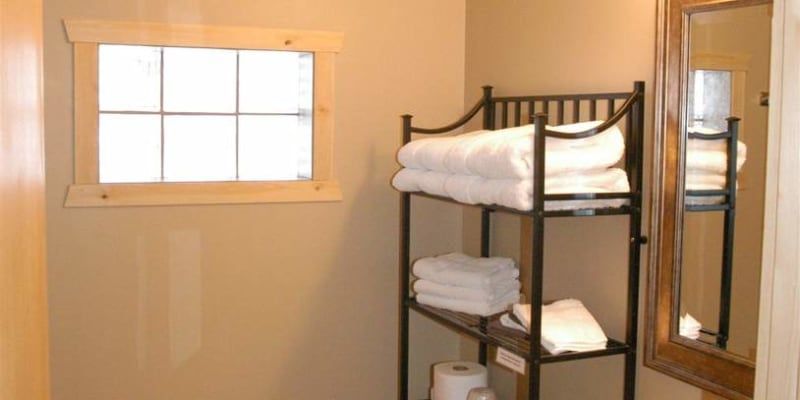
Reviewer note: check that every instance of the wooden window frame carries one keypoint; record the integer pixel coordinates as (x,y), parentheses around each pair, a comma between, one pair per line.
(87,191)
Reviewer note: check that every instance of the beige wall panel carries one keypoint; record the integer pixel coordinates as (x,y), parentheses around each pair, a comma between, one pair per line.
(295,301)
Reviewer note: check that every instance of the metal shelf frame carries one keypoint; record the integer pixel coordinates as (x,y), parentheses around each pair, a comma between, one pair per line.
(538,112)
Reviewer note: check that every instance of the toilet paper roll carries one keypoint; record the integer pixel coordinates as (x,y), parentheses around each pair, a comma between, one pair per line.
(453,380)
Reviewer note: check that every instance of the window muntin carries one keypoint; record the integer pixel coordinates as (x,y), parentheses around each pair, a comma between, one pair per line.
(223,115)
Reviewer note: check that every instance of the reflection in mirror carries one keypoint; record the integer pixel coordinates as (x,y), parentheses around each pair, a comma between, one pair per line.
(724,182)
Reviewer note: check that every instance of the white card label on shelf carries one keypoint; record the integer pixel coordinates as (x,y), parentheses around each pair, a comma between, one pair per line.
(510,361)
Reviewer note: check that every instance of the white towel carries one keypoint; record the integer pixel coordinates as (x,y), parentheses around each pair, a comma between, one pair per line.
(507,153)
(416,180)
(705,181)
(457,269)
(566,326)
(689,327)
(516,193)
(510,153)
(482,308)
(430,153)
(424,286)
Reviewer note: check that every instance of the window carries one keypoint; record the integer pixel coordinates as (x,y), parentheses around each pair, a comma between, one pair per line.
(185,114)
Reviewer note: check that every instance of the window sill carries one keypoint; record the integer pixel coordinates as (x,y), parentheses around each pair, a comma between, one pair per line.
(201,193)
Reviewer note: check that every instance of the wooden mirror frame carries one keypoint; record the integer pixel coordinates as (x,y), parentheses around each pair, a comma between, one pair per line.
(699,364)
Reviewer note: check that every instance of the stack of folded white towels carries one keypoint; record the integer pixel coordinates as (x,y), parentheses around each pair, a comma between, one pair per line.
(496,167)
(458,282)
(707,164)
(566,326)
(689,327)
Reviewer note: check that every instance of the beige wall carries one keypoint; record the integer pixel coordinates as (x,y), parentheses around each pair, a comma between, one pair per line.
(525,47)
(256,301)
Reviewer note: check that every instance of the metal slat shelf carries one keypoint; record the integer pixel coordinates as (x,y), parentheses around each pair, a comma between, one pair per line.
(517,343)
(583,212)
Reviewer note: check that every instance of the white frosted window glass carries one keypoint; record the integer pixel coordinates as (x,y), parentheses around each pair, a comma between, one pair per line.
(199,80)
(270,81)
(130,148)
(129,78)
(270,148)
(199,148)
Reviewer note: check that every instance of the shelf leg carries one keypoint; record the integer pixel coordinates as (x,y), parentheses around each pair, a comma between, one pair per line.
(405,267)
(485,252)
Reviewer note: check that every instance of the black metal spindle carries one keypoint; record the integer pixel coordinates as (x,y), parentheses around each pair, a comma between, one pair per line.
(504,114)
(537,256)
(576,111)
(593,109)
(405,271)
(545,110)
(560,113)
(485,251)
(634,169)
(531,110)
(488,108)
(610,108)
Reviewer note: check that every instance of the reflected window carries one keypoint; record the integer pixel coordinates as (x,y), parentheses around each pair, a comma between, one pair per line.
(709,102)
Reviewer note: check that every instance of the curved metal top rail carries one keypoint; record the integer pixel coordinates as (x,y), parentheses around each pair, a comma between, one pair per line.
(707,136)
(630,99)
(447,128)
(629,102)
(715,136)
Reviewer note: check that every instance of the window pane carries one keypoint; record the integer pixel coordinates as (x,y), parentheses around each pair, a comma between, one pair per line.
(199,80)
(130,148)
(272,148)
(271,81)
(129,78)
(199,148)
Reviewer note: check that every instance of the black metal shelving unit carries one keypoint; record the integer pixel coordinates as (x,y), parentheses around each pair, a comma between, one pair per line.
(538,111)
(728,207)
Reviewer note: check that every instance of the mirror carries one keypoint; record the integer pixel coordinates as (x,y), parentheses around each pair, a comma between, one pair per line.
(708,203)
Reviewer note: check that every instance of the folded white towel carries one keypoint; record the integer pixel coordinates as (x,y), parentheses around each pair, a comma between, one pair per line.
(508,153)
(501,289)
(566,326)
(475,307)
(515,193)
(457,269)
(689,327)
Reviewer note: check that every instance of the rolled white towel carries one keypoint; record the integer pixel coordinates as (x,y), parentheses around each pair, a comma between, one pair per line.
(482,308)
(461,270)
(430,153)
(509,154)
(501,289)
(415,180)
